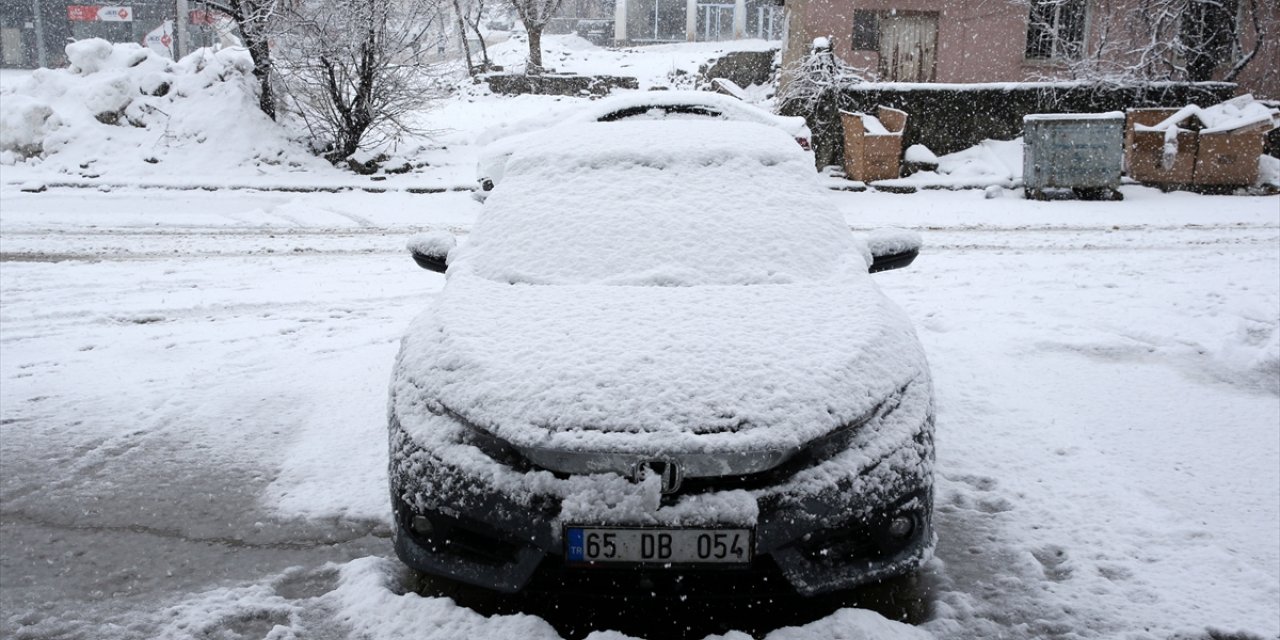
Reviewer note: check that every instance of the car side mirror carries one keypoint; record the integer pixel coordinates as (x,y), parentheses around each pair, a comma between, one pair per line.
(892,249)
(431,250)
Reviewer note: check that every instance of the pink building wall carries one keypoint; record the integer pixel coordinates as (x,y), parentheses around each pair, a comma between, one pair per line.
(985,40)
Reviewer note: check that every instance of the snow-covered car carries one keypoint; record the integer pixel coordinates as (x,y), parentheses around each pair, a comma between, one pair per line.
(647,106)
(662,360)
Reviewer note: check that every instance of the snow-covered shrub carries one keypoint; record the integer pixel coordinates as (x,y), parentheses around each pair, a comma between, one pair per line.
(811,88)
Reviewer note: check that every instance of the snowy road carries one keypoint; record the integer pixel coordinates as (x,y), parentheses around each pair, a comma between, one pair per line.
(193,386)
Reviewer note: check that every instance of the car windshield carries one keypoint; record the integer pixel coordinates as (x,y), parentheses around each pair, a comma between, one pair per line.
(660,203)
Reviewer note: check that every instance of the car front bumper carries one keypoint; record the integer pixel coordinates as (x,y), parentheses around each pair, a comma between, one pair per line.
(826,533)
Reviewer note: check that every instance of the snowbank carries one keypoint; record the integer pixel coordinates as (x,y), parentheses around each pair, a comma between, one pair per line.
(990,163)
(121,110)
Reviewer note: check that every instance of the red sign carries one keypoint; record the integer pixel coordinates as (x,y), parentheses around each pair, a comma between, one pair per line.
(201,16)
(82,13)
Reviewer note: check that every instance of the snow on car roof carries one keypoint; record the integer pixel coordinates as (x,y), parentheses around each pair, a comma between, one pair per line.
(665,202)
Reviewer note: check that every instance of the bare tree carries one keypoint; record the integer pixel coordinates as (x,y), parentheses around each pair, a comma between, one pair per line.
(474,16)
(256,20)
(811,88)
(535,14)
(459,12)
(1138,40)
(355,70)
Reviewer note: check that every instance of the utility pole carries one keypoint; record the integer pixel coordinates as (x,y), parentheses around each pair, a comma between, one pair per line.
(37,20)
(181,36)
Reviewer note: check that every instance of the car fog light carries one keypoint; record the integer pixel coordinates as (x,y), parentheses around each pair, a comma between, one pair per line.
(901,526)
(421,525)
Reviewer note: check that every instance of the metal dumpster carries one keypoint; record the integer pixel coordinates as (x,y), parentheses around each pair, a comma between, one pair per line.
(1080,152)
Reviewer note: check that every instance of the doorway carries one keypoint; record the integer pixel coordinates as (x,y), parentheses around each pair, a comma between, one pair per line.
(908,46)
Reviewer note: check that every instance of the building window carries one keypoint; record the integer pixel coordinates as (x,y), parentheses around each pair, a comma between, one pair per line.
(866,36)
(1055,30)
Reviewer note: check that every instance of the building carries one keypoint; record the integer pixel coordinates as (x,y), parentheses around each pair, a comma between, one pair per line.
(655,21)
(33,33)
(967,41)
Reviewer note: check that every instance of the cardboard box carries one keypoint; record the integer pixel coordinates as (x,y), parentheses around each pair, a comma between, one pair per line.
(1229,158)
(1144,150)
(870,152)
(1220,158)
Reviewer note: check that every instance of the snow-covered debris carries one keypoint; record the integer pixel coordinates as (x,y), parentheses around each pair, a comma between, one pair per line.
(122,110)
(1241,112)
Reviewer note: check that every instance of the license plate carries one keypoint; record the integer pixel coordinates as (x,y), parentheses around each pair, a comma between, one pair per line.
(631,545)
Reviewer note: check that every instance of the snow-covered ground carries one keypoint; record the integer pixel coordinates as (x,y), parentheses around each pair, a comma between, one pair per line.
(193,390)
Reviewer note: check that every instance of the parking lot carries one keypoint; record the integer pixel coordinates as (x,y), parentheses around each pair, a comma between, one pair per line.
(194,395)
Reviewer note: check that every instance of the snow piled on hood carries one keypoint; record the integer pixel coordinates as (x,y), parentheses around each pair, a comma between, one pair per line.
(121,110)
(649,369)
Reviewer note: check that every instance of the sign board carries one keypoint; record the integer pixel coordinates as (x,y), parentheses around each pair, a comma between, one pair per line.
(160,39)
(95,13)
(202,16)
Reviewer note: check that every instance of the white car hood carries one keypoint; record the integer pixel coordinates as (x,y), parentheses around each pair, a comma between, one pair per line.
(645,369)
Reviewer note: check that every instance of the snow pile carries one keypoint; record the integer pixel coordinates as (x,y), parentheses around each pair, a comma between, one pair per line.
(367,598)
(1251,354)
(920,154)
(989,163)
(24,123)
(121,110)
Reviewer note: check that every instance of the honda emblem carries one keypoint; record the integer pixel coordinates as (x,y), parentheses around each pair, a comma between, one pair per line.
(668,470)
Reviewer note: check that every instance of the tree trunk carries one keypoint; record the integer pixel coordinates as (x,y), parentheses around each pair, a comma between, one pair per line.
(484,50)
(535,49)
(261,55)
(462,34)
(246,15)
